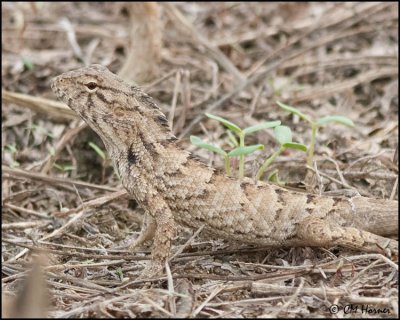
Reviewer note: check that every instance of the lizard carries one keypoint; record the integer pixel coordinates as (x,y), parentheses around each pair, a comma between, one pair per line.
(174,187)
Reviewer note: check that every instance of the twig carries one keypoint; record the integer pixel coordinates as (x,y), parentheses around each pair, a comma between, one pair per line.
(26,211)
(51,158)
(239,88)
(187,243)
(211,296)
(52,180)
(66,25)
(174,99)
(263,288)
(330,178)
(182,23)
(24,225)
(171,291)
(287,303)
(368,76)
(56,110)
(393,193)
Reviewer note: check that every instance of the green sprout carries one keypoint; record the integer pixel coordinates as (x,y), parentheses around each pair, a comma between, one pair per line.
(315,124)
(64,167)
(119,273)
(213,148)
(240,150)
(98,150)
(27,63)
(283,135)
(274,177)
(12,149)
(51,150)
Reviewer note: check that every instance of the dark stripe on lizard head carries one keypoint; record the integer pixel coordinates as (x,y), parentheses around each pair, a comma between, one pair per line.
(89,102)
(101,97)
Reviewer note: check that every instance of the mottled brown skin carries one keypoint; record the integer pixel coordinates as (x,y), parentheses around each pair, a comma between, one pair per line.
(173,187)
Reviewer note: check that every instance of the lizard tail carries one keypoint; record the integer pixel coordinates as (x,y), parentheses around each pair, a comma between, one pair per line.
(378,216)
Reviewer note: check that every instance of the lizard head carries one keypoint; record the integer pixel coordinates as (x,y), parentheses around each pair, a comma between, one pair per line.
(91,87)
(117,111)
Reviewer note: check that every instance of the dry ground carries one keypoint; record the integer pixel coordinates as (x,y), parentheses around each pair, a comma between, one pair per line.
(232,59)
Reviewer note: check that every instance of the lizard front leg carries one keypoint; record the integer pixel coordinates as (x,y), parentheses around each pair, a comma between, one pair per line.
(163,233)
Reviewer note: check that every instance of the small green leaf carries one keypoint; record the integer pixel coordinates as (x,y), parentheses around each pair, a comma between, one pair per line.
(88,261)
(294,111)
(68,167)
(51,150)
(14,164)
(338,119)
(200,143)
(242,151)
(274,177)
(55,165)
(232,139)
(283,134)
(50,134)
(260,126)
(11,148)
(27,63)
(225,122)
(98,150)
(120,273)
(295,145)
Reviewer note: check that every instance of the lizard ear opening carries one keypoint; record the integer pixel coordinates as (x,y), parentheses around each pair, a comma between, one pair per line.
(91,86)
(118,110)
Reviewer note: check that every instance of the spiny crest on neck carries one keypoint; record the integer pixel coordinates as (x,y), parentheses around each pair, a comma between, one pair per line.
(155,125)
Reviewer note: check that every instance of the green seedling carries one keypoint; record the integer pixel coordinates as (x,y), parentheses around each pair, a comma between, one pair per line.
(274,177)
(213,148)
(120,273)
(12,149)
(98,150)
(315,124)
(241,133)
(64,167)
(27,63)
(232,141)
(283,135)
(51,150)
(240,150)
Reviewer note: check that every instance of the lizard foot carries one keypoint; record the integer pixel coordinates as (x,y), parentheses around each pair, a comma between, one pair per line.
(151,271)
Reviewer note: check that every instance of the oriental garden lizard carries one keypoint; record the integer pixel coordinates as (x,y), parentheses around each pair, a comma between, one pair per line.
(175,188)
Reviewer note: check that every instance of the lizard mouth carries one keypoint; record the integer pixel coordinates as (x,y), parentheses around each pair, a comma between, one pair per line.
(55,86)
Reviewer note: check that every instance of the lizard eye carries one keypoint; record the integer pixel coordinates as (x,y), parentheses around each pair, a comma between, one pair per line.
(91,86)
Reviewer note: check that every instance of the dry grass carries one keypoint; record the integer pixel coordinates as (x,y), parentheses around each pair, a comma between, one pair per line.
(233,59)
